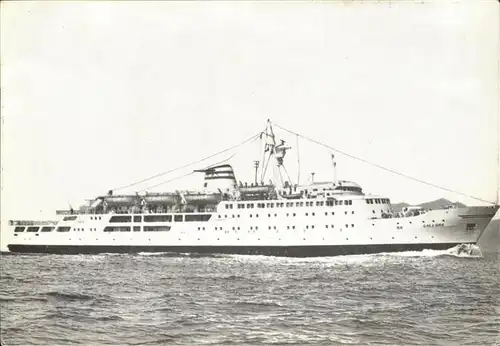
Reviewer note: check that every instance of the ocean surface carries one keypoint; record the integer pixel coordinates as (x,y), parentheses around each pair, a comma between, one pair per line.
(421,298)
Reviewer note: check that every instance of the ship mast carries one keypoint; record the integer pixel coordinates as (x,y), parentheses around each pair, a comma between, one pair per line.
(276,150)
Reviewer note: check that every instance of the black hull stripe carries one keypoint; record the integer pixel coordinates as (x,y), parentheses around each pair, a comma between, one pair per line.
(288,251)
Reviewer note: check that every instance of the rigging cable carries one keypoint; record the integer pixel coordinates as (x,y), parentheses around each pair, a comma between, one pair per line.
(187,165)
(168,181)
(185,175)
(298,161)
(382,167)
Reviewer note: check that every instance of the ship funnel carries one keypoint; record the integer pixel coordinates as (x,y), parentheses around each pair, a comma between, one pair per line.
(219,178)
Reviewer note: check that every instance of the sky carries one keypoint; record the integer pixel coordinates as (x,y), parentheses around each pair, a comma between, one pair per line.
(97,95)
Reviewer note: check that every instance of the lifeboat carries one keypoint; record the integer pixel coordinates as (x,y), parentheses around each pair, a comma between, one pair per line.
(258,189)
(162,198)
(122,200)
(294,195)
(97,202)
(203,198)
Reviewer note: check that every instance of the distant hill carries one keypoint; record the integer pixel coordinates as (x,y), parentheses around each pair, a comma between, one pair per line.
(399,206)
(437,204)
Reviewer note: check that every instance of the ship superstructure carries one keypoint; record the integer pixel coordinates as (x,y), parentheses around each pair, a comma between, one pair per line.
(276,218)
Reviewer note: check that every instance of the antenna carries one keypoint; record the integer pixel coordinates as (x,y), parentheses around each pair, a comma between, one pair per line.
(312,177)
(256,166)
(334,163)
(298,161)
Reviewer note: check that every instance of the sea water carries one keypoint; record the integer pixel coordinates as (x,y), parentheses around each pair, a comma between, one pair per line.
(426,298)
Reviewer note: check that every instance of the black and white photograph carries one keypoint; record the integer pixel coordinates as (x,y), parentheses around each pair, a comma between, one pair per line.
(250,173)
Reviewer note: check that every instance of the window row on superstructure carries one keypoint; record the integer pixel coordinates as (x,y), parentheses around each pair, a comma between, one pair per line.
(160,218)
(377,201)
(225,216)
(137,228)
(328,203)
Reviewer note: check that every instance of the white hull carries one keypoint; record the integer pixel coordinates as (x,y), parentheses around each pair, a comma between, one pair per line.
(272,228)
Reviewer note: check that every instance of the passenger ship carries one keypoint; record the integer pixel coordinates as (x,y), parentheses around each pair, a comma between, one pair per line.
(278,219)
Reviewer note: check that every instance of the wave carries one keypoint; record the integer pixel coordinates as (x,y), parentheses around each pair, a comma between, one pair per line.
(24,298)
(69,296)
(265,303)
(461,250)
(179,254)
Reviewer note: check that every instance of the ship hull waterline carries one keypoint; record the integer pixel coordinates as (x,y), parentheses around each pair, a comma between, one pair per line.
(280,251)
